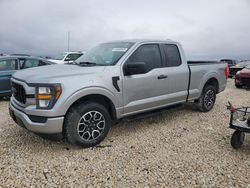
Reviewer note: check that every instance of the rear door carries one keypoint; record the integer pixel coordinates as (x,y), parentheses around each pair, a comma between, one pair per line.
(7,68)
(178,73)
(145,91)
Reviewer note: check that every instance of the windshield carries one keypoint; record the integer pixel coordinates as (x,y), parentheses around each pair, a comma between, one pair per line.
(243,64)
(105,54)
(60,56)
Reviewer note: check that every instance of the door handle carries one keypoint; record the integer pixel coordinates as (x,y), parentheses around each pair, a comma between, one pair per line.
(162,77)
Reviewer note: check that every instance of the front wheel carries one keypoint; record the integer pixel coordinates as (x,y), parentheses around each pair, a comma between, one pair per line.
(237,139)
(238,86)
(207,99)
(87,124)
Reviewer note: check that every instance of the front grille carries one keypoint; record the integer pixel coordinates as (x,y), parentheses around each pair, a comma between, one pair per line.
(19,92)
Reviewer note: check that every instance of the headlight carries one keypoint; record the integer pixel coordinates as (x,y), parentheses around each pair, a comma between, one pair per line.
(47,95)
(238,72)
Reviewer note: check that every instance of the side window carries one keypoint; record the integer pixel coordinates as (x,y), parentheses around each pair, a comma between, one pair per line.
(149,54)
(30,63)
(72,57)
(172,55)
(7,64)
(42,63)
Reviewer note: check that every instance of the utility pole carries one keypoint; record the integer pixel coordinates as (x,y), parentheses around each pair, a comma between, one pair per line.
(68,39)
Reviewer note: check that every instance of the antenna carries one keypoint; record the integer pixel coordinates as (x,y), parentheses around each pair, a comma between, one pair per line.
(68,39)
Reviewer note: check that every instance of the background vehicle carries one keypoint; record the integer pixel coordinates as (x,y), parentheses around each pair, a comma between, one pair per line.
(66,57)
(234,69)
(10,64)
(112,81)
(230,62)
(242,78)
(240,122)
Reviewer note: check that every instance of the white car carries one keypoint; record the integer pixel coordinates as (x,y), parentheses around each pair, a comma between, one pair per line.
(66,57)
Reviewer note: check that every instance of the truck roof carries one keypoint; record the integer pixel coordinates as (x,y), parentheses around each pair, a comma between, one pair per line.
(144,40)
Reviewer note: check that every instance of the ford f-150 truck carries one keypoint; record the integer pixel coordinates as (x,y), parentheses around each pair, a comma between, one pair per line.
(112,81)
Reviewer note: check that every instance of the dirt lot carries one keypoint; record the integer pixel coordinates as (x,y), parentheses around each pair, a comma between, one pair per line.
(179,148)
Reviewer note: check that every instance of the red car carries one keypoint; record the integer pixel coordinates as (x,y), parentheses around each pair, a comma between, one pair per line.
(242,78)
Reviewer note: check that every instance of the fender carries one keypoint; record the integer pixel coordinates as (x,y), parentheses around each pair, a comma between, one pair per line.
(89,91)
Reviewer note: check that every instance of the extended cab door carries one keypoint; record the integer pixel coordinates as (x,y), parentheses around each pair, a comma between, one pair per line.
(7,68)
(144,91)
(177,71)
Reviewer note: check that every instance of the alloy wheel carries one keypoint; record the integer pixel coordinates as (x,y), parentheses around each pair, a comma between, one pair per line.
(91,126)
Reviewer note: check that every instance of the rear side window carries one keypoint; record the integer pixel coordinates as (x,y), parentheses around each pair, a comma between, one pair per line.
(7,64)
(173,58)
(149,54)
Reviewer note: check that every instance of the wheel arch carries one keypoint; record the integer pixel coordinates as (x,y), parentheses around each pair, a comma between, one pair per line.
(100,99)
(214,82)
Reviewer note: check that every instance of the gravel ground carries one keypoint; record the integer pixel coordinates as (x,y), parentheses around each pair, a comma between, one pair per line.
(178,148)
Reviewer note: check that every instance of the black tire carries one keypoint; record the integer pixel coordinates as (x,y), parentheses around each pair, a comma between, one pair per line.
(52,137)
(238,86)
(207,99)
(237,139)
(81,125)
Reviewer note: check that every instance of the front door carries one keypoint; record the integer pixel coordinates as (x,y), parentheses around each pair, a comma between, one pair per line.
(7,68)
(142,92)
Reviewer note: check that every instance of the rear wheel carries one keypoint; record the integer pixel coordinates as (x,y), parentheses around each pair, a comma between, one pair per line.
(207,99)
(237,139)
(87,124)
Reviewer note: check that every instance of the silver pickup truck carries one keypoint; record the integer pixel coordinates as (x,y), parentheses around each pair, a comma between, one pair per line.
(112,81)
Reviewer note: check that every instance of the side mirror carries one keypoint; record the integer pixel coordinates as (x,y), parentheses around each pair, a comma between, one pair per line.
(134,68)
(67,59)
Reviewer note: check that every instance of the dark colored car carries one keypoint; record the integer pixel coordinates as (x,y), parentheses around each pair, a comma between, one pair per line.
(10,64)
(230,62)
(242,78)
(234,69)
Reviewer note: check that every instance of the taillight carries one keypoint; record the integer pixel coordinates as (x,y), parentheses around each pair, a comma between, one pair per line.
(226,71)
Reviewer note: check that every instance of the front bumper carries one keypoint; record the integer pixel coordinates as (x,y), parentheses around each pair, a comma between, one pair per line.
(52,125)
(242,81)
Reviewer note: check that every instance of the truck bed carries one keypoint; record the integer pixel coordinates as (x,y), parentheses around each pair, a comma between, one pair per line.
(200,72)
(203,62)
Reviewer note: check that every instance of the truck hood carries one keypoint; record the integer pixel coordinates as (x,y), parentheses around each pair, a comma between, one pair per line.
(46,74)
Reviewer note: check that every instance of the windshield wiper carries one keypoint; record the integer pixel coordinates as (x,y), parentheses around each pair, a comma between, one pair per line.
(85,63)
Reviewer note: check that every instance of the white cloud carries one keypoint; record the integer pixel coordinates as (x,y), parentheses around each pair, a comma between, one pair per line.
(207,29)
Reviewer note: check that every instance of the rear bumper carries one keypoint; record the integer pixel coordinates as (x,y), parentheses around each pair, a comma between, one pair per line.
(51,126)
